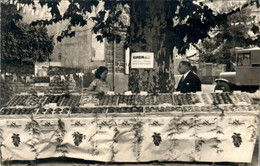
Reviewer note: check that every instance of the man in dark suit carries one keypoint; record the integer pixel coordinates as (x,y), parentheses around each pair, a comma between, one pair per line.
(189,82)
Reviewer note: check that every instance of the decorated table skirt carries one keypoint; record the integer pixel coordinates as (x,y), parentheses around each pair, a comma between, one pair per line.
(132,138)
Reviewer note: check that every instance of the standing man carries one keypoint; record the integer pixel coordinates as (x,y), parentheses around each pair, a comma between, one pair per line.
(189,82)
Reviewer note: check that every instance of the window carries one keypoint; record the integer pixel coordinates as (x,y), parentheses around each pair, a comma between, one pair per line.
(243,59)
(246,59)
(240,60)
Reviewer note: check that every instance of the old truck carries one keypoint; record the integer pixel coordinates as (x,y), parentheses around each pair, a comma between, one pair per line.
(247,72)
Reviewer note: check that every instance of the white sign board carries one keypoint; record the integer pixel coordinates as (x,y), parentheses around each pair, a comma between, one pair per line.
(41,84)
(142,60)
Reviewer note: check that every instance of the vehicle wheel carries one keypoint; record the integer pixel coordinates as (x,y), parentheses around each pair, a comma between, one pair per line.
(222,86)
(251,90)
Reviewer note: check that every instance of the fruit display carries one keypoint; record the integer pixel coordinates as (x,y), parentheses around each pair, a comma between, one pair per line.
(54,99)
(18,100)
(191,109)
(41,111)
(196,98)
(20,111)
(35,100)
(206,98)
(91,103)
(184,99)
(89,99)
(125,110)
(88,110)
(163,109)
(238,98)
(49,111)
(53,111)
(221,98)
(110,100)
(65,111)
(164,98)
(145,100)
(211,109)
(127,99)
(240,108)
(71,100)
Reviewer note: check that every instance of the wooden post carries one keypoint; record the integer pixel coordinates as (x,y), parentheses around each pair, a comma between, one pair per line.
(114,63)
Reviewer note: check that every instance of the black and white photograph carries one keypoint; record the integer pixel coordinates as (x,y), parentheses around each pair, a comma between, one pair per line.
(129,82)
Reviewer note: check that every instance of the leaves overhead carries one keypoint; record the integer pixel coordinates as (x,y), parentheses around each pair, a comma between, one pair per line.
(21,42)
(240,30)
(195,19)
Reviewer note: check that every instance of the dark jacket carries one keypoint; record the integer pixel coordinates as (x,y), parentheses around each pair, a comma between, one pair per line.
(191,83)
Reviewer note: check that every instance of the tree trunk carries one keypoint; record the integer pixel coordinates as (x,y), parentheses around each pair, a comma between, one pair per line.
(151,24)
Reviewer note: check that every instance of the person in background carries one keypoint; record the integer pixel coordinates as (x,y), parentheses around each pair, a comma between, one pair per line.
(100,84)
(189,82)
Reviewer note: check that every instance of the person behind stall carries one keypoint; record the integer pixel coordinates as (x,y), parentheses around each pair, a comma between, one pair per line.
(189,82)
(100,84)
(194,69)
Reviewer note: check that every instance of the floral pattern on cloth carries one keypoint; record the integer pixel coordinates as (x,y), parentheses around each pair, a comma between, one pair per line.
(99,86)
(181,137)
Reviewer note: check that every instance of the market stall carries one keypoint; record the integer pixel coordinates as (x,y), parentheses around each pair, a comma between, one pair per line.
(210,127)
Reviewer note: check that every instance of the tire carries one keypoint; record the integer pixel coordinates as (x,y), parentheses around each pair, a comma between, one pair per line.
(250,89)
(222,86)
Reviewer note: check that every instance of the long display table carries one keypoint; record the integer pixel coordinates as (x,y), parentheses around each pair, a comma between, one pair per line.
(194,130)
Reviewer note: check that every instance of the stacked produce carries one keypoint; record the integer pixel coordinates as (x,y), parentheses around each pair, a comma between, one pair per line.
(14,111)
(163,109)
(238,98)
(191,109)
(127,99)
(185,99)
(79,110)
(54,99)
(225,98)
(36,100)
(145,100)
(207,98)
(164,98)
(108,100)
(18,100)
(221,98)
(240,108)
(89,99)
(125,109)
(71,100)
(93,103)
(53,111)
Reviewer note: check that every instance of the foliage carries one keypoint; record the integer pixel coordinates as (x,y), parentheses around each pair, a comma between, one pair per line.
(6,92)
(236,33)
(158,27)
(154,26)
(22,42)
(60,133)
(186,19)
(109,20)
(190,17)
(33,128)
